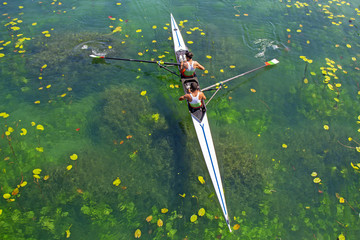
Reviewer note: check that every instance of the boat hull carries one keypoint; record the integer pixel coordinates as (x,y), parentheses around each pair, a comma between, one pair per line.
(201,124)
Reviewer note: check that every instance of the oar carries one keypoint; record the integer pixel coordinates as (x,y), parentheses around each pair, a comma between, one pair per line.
(135,60)
(269,63)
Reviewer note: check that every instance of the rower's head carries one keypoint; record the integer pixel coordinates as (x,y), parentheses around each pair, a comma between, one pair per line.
(189,55)
(193,86)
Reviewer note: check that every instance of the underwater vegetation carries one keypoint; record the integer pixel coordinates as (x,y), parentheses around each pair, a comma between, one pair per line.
(95,149)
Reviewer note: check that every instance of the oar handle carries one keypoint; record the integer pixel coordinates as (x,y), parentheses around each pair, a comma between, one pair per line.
(135,60)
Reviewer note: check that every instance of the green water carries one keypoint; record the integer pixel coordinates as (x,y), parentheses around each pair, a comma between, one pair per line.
(271,129)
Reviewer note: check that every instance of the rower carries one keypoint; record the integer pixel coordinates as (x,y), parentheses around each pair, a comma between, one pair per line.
(188,66)
(195,97)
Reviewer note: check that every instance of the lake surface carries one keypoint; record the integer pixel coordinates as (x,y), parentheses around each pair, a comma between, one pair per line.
(103,149)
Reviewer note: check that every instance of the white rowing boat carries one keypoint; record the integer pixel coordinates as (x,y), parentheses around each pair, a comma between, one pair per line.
(201,125)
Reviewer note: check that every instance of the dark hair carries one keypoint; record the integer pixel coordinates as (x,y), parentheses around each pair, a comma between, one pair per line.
(193,86)
(189,55)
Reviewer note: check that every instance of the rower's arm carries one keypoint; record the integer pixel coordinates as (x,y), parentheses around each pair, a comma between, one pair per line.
(182,64)
(199,66)
(186,96)
(203,96)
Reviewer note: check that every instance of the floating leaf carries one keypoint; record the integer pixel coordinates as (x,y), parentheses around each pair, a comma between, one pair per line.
(182,195)
(201,212)
(160,223)
(74,157)
(341,237)
(67,233)
(236,227)
(317,180)
(164,210)
(37,171)
(201,179)
(23,184)
(15,192)
(137,233)
(355,167)
(117,182)
(40,127)
(149,218)
(6,195)
(155,117)
(40,149)
(193,218)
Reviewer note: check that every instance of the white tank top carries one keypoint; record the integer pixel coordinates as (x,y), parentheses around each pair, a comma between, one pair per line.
(196,102)
(190,70)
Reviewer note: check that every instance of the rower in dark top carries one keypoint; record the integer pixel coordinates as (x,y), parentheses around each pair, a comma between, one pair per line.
(188,66)
(195,96)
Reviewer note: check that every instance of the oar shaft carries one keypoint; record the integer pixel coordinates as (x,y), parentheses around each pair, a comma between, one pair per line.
(227,80)
(135,60)
(270,63)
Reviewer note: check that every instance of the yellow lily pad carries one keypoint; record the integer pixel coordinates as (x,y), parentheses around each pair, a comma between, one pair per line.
(160,223)
(193,218)
(6,195)
(117,182)
(137,233)
(236,227)
(317,180)
(23,184)
(201,179)
(201,212)
(149,218)
(37,171)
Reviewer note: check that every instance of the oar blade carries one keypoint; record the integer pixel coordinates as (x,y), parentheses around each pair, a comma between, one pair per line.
(94,56)
(272,62)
